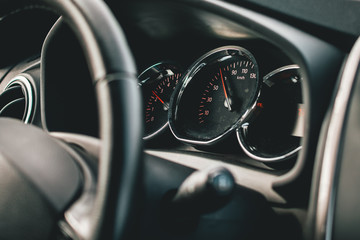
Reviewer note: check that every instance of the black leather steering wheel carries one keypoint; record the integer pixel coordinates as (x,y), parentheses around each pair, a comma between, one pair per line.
(114,76)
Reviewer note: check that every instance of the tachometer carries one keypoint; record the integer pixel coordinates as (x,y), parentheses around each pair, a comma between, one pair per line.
(216,94)
(158,83)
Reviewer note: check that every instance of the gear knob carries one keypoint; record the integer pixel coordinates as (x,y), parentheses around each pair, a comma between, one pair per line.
(205,190)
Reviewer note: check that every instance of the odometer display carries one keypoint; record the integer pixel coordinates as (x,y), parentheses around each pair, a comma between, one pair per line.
(217,93)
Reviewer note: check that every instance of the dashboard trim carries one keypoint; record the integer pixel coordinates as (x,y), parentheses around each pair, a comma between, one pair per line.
(246,177)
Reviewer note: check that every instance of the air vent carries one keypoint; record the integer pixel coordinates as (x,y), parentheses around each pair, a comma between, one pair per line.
(17,99)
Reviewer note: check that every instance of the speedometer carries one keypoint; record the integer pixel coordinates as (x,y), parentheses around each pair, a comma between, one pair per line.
(216,94)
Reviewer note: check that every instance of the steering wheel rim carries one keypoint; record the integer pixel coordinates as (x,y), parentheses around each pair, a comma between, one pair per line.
(113,73)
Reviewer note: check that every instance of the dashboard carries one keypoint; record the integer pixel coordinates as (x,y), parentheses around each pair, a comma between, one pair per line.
(182,75)
(260,123)
(239,85)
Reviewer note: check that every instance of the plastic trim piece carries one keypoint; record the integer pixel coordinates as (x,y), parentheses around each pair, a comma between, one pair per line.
(249,178)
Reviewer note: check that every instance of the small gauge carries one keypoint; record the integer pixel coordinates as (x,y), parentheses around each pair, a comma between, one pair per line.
(216,94)
(275,130)
(158,83)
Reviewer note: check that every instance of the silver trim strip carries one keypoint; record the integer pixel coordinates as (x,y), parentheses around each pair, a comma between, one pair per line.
(265,159)
(279,70)
(324,208)
(160,130)
(25,84)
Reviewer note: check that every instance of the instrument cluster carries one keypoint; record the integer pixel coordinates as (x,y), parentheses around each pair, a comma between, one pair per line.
(224,93)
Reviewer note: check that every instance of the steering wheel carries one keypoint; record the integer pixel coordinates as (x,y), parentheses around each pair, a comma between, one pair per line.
(40,175)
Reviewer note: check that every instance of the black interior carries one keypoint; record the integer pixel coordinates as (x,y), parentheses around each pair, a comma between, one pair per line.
(92,109)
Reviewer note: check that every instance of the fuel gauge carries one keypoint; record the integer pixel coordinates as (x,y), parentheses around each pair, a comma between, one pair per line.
(275,130)
(157,84)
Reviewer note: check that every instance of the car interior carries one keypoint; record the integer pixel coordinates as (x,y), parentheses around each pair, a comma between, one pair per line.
(183,119)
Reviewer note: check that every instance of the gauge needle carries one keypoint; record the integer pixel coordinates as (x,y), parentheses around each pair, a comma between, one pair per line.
(158,97)
(166,106)
(228,100)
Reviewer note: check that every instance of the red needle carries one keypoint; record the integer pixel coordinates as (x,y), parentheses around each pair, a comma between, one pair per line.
(223,84)
(158,97)
(226,96)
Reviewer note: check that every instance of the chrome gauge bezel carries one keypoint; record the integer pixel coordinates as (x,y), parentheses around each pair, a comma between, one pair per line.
(249,150)
(166,65)
(27,88)
(186,79)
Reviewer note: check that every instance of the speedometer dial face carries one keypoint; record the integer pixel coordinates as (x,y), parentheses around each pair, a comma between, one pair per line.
(217,93)
(158,83)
